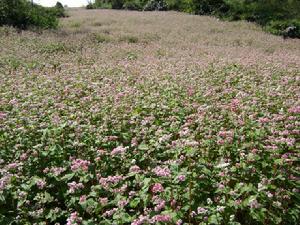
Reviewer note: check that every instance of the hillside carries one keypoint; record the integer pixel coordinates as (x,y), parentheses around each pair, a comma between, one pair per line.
(124,117)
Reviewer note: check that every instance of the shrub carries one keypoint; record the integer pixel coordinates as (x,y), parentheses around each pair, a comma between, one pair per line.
(101,38)
(43,18)
(207,7)
(181,5)
(103,4)
(129,39)
(281,28)
(59,10)
(117,4)
(22,14)
(90,6)
(274,15)
(59,5)
(133,5)
(158,5)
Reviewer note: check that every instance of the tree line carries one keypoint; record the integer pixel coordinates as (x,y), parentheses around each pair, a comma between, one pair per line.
(281,17)
(276,16)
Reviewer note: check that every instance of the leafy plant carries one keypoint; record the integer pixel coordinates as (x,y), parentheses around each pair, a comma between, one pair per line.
(23,14)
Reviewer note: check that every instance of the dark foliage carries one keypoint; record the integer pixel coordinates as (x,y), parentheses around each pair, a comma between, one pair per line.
(24,14)
(59,10)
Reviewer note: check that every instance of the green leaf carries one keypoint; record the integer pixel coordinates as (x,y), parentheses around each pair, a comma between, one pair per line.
(143,147)
(134,203)
(68,176)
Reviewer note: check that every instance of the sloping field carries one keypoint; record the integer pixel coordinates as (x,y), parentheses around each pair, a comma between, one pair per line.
(126,117)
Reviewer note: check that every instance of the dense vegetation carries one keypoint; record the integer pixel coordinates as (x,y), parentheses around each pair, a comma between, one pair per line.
(274,15)
(24,14)
(143,118)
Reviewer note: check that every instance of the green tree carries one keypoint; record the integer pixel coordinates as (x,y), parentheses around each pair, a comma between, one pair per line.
(23,14)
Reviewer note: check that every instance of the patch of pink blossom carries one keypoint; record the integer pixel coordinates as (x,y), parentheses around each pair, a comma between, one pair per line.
(157,188)
(161,218)
(162,172)
(74,219)
(80,164)
(135,169)
(41,184)
(119,150)
(73,186)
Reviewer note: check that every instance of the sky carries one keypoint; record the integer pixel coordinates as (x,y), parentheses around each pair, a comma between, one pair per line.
(70,3)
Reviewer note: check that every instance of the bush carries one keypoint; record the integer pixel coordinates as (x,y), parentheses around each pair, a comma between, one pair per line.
(133,5)
(117,4)
(208,7)
(42,18)
(282,28)
(158,5)
(22,14)
(59,10)
(90,6)
(181,5)
(102,4)
(274,15)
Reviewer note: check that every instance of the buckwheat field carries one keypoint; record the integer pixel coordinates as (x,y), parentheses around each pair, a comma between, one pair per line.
(122,117)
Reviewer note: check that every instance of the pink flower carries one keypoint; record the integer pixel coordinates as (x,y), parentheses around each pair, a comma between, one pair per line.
(161,218)
(221,186)
(160,203)
(295,109)
(254,204)
(225,134)
(221,142)
(74,219)
(101,152)
(105,182)
(41,184)
(119,150)
(73,186)
(254,151)
(134,169)
(181,178)
(193,214)
(57,170)
(131,194)
(157,188)
(122,203)
(80,164)
(134,142)
(141,220)
(179,222)
(82,198)
(103,201)
(2,115)
(162,172)
(201,210)
(24,156)
(173,203)
(12,166)
(4,181)
(112,138)
(184,132)
(234,105)
(109,213)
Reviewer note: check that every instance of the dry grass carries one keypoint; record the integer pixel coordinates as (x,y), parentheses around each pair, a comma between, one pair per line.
(186,41)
